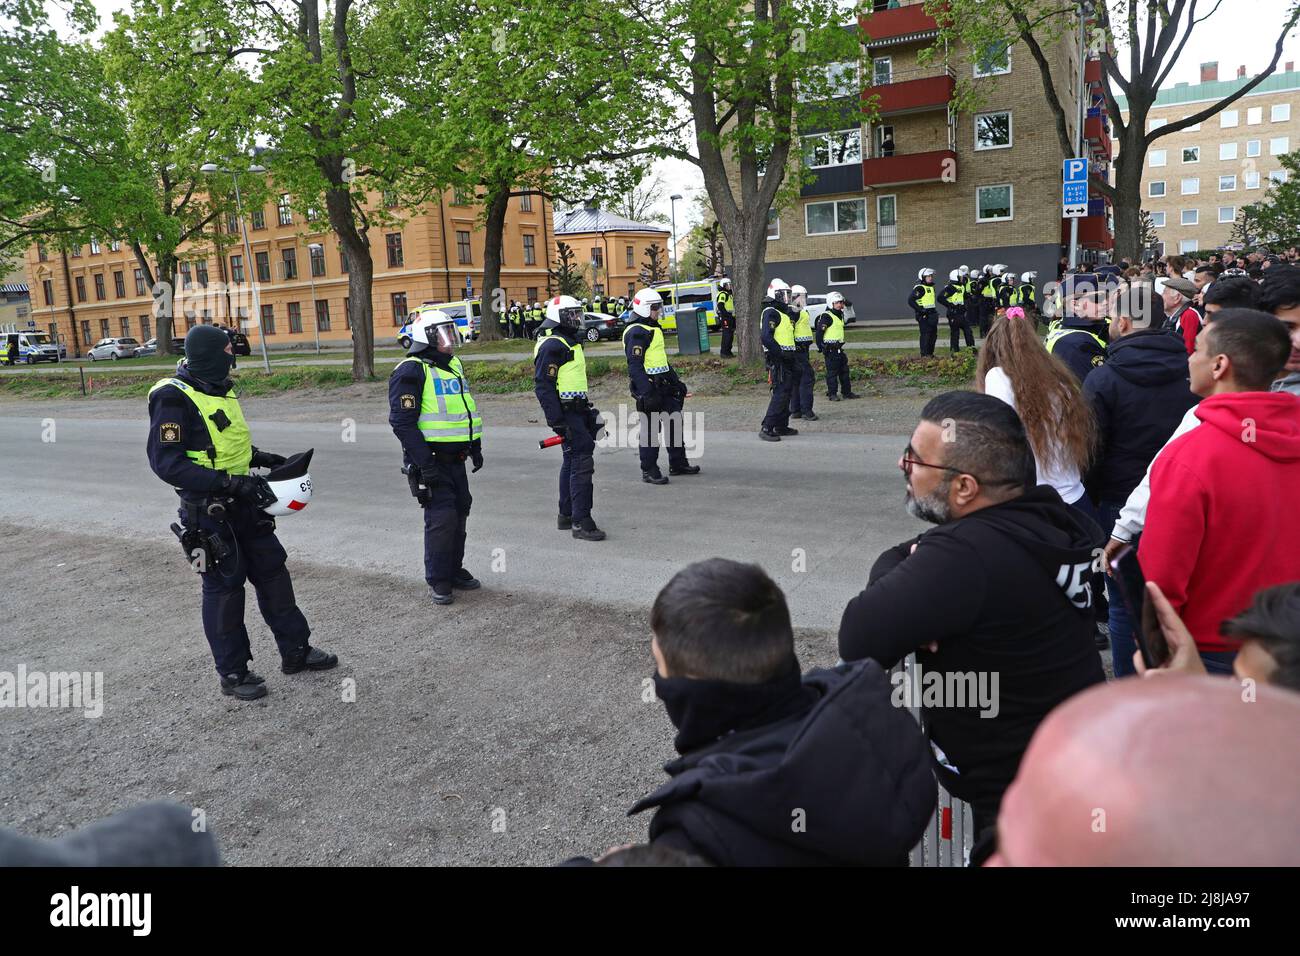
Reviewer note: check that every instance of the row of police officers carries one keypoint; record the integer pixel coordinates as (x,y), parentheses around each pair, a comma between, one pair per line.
(971,298)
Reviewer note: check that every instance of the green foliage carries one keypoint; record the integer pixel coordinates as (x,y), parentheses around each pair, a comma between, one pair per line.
(567,278)
(1274,220)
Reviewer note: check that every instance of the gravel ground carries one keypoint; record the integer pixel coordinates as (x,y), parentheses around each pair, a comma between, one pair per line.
(510,710)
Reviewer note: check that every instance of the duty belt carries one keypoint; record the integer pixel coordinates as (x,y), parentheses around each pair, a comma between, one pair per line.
(572,400)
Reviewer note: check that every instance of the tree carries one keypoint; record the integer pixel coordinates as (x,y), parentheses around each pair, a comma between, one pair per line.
(639,202)
(1275,219)
(566,277)
(1154,33)
(1148,233)
(655,268)
(1245,228)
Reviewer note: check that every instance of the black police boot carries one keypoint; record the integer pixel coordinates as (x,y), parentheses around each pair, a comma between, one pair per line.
(768,435)
(655,477)
(246,686)
(852,395)
(811,417)
(787,430)
(686,469)
(796,414)
(587,531)
(441,594)
(466,581)
(313,660)
(832,398)
(564,523)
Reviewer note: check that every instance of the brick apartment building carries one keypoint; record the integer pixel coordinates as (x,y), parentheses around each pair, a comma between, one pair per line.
(610,249)
(927,186)
(1196,181)
(299,272)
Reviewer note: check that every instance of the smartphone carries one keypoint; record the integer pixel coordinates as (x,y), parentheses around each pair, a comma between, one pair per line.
(1127,573)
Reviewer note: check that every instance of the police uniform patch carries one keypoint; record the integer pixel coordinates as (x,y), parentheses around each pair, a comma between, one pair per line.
(636,350)
(552,371)
(408,401)
(169,433)
(1098,361)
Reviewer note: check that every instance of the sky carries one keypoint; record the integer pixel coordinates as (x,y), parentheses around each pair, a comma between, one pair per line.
(1240,32)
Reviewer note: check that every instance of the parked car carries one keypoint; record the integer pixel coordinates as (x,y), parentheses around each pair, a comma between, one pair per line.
(114,348)
(151,347)
(598,325)
(817,305)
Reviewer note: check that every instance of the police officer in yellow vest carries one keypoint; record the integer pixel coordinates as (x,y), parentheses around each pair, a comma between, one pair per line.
(726,310)
(953,299)
(922,302)
(801,392)
(776,330)
(200,444)
(1080,337)
(560,384)
(830,342)
(436,419)
(659,393)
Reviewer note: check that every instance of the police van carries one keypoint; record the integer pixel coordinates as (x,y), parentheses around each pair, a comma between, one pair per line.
(33,346)
(465,312)
(688,296)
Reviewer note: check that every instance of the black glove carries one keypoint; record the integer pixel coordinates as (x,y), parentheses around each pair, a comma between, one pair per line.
(429,476)
(652,402)
(476,456)
(681,390)
(251,489)
(264,459)
(560,429)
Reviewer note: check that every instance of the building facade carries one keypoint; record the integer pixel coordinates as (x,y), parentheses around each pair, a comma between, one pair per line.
(435,253)
(927,186)
(15,301)
(1196,181)
(609,249)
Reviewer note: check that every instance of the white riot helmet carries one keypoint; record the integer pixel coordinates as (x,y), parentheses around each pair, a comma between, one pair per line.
(798,293)
(435,328)
(1008,278)
(986,269)
(291,484)
(646,303)
(963,271)
(1028,276)
(563,311)
(923,274)
(724,283)
(834,299)
(954,276)
(999,268)
(779,291)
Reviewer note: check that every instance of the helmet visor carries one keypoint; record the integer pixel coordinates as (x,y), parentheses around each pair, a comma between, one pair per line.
(445,337)
(571,317)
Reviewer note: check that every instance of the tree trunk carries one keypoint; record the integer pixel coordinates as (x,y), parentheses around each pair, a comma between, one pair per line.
(1128,199)
(498,203)
(748,258)
(361,274)
(165,316)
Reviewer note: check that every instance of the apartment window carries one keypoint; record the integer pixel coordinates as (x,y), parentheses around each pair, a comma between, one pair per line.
(393,241)
(1191,186)
(1250,179)
(343,260)
(1188,245)
(1191,154)
(1228,119)
(1191,217)
(201,273)
(462,247)
(139,282)
(1158,220)
(232,225)
(1279,145)
(85,332)
(1227,151)
(103,329)
(1227,213)
(993,130)
(100,294)
(76,251)
(390,198)
(119,285)
(263,261)
(460,196)
(773,224)
(1252,147)
(597,257)
(631,289)
(268,319)
(236,268)
(843,215)
(1254,116)
(1280,112)
(289,263)
(259,219)
(531,293)
(207,316)
(882,70)
(841,275)
(146,330)
(189,320)
(1278,176)
(81,288)
(526,202)
(186,280)
(1156,188)
(399,308)
(1227,183)
(313,214)
(42,254)
(323,315)
(295,317)
(530,251)
(1194,128)
(94,247)
(125,325)
(994,203)
(283,211)
(630,261)
(842,79)
(993,59)
(47,287)
(1156,157)
(316,258)
(114,246)
(841,148)
(1155,124)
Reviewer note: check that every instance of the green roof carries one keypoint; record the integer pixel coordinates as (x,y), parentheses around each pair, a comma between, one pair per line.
(1217,90)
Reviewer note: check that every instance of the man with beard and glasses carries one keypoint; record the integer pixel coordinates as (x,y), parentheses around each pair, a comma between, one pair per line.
(1017,618)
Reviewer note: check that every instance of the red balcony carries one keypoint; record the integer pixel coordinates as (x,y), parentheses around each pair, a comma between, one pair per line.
(897,24)
(1092,71)
(1094,233)
(912,93)
(939,165)
(1098,137)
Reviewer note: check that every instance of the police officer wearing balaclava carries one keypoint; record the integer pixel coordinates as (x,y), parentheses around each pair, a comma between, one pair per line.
(200,444)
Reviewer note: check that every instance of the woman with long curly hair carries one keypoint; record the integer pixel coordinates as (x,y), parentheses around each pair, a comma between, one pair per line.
(1015,367)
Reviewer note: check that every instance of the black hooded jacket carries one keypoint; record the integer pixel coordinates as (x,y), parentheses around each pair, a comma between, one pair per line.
(840,776)
(1138,397)
(1022,611)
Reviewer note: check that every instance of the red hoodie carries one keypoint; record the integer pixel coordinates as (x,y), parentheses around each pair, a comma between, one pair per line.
(1224,517)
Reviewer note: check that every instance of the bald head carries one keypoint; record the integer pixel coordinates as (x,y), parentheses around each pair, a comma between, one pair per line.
(1170,771)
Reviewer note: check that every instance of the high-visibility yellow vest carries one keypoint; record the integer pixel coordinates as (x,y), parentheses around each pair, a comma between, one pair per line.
(803,330)
(990,288)
(835,331)
(784,332)
(571,377)
(656,359)
(448,412)
(724,301)
(927,295)
(958,296)
(1060,332)
(230,448)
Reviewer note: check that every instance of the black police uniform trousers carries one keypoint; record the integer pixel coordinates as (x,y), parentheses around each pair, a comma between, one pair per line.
(778,407)
(987,308)
(801,391)
(667,418)
(957,324)
(728,327)
(256,556)
(445,516)
(579,462)
(928,320)
(837,370)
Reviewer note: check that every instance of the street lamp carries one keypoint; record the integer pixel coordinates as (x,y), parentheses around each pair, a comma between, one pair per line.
(312,249)
(248,249)
(673,206)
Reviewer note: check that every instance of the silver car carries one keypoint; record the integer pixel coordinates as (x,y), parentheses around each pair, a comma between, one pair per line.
(117,348)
